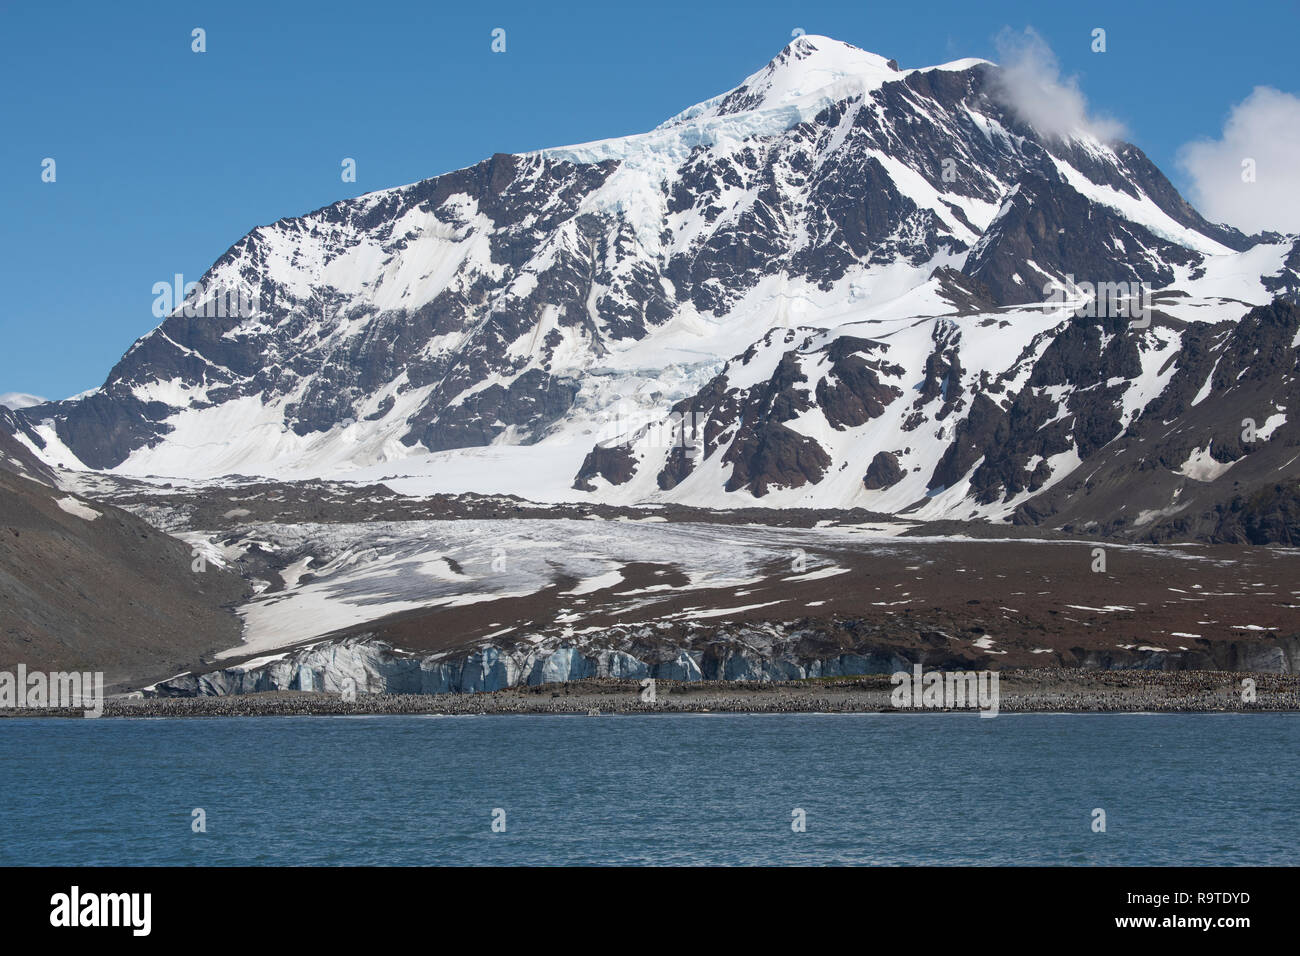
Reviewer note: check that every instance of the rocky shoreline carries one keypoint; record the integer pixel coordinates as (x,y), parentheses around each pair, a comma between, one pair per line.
(1047,690)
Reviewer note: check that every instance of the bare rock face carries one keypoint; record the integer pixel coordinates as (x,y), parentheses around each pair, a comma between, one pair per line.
(1211,457)
(852,394)
(883,472)
(1269,516)
(613,463)
(19,458)
(1041,222)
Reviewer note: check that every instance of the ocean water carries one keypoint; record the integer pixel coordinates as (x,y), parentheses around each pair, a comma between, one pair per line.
(665,789)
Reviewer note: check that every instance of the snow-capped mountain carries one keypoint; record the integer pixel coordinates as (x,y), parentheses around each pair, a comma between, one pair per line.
(824,287)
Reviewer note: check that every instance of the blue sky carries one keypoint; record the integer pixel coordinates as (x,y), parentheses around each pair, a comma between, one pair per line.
(166,157)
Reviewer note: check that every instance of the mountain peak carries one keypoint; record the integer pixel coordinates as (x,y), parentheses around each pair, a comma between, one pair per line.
(811,57)
(812,52)
(810,73)
(807,66)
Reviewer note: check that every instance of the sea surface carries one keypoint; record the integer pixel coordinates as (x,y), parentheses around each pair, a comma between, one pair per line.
(656,789)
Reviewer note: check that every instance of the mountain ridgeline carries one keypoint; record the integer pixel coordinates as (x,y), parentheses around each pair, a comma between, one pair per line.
(841,284)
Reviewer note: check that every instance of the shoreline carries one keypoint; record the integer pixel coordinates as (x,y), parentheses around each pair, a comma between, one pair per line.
(1054,690)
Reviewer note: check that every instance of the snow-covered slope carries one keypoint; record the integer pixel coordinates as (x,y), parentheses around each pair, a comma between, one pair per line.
(838,267)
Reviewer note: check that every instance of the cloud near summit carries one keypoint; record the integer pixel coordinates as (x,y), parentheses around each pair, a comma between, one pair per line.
(1031,84)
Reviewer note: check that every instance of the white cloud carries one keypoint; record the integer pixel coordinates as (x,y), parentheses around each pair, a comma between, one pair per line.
(1265,128)
(1031,84)
(19,400)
